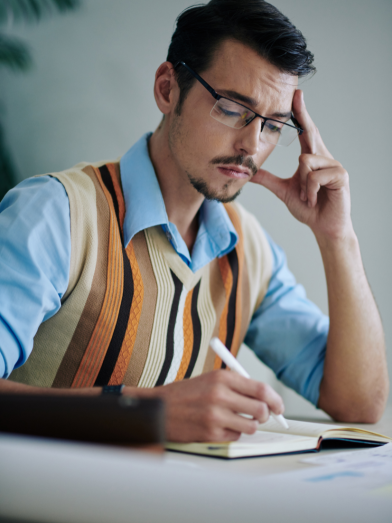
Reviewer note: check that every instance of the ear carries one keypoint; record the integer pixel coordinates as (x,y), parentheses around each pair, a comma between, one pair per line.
(166,90)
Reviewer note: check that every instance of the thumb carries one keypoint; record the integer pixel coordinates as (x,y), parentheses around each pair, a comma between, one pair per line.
(276,185)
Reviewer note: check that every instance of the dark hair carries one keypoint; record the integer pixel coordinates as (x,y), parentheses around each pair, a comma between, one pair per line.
(202,28)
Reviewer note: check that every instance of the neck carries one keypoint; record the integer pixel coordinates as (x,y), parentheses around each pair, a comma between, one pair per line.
(181,199)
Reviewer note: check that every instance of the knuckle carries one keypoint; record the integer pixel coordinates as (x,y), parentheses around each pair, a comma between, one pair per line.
(216,395)
(220,376)
(251,427)
(304,158)
(343,172)
(261,390)
(210,418)
(262,412)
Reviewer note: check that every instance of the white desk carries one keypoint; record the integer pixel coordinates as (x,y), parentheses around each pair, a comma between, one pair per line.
(49,481)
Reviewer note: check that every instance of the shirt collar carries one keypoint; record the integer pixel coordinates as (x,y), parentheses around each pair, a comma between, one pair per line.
(145,207)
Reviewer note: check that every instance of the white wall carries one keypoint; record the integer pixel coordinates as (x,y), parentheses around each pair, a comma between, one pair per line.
(89,97)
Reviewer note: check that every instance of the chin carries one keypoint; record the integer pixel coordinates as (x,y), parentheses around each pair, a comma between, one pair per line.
(225,195)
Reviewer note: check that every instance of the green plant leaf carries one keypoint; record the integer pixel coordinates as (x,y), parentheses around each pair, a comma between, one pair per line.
(33,10)
(14,54)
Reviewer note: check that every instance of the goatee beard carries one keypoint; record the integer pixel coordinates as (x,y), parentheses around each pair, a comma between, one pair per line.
(202,187)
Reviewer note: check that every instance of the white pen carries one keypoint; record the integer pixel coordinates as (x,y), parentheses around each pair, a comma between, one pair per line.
(227,357)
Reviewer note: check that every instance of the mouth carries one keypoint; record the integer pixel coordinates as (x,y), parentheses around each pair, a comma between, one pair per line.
(234,171)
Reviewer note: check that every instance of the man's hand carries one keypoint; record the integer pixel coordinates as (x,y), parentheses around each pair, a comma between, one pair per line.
(318,193)
(355,381)
(206,408)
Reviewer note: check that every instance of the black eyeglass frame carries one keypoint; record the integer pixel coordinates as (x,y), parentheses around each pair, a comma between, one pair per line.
(219,97)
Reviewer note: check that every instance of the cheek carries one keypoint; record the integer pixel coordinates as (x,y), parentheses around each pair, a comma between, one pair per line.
(206,138)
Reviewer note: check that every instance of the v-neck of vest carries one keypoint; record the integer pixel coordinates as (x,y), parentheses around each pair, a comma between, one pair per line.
(188,278)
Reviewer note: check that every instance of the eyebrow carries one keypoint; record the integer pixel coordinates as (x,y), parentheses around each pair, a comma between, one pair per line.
(250,101)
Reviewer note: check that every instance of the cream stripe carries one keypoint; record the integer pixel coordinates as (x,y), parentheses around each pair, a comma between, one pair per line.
(157,348)
(207,317)
(178,339)
(175,262)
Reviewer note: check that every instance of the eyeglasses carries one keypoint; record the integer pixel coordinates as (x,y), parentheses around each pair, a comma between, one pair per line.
(236,115)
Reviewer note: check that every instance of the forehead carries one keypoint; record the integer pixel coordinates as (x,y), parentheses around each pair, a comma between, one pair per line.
(237,67)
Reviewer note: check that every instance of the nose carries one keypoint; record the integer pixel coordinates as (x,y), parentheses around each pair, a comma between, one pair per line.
(248,138)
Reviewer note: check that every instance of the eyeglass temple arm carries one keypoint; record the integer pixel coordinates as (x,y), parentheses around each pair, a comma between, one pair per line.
(295,122)
(205,84)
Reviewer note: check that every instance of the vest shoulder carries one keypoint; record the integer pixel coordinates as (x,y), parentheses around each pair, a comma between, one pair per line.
(80,168)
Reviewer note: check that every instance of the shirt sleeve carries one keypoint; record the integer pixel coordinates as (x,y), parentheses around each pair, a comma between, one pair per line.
(35,250)
(288,332)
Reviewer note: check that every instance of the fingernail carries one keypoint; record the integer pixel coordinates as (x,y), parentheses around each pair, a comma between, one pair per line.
(309,204)
(302,195)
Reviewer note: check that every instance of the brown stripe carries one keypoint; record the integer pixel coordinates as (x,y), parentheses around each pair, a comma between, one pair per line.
(143,335)
(188,337)
(74,354)
(114,170)
(133,322)
(235,220)
(218,297)
(99,342)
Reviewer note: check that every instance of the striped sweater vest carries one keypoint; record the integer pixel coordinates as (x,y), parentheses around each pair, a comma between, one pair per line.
(138,315)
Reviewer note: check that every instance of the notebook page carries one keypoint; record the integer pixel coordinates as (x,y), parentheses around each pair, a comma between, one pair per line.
(300,428)
(265,437)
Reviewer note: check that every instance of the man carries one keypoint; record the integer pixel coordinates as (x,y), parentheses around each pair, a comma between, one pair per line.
(125,270)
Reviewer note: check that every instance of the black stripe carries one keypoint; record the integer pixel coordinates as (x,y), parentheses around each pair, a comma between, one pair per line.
(233,261)
(170,331)
(114,348)
(196,331)
(107,180)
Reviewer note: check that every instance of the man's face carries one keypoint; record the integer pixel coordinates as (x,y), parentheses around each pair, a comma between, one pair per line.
(218,160)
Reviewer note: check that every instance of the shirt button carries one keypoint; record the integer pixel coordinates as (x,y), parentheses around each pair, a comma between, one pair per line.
(169,236)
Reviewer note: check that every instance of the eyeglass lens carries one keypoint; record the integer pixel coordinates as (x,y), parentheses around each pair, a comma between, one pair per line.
(235,115)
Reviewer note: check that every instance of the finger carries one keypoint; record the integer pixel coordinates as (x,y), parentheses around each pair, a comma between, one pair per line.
(276,185)
(236,402)
(220,419)
(237,423)
(333,179)
(309,163)
(229,435)
(310,140)
(258,391)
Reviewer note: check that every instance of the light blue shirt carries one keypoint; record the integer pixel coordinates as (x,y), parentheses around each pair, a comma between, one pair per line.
(287,332)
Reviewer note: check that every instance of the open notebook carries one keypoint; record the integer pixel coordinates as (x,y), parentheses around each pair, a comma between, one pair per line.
(271,438)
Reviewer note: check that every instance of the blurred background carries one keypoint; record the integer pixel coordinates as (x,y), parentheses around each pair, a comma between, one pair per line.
(88,95)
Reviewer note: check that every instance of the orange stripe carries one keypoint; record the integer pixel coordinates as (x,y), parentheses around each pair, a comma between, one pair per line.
(235,220)
(103,331)
(134,317)
(188,337)
(227,278)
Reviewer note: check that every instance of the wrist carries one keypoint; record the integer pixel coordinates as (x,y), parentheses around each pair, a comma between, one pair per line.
(338,244)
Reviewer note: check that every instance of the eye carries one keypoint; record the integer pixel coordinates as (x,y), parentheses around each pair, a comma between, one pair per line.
(273,127)
(227,112)
(233,110)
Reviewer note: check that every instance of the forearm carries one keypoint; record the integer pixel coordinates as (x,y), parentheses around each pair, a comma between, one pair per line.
(12,387)
(355,383)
